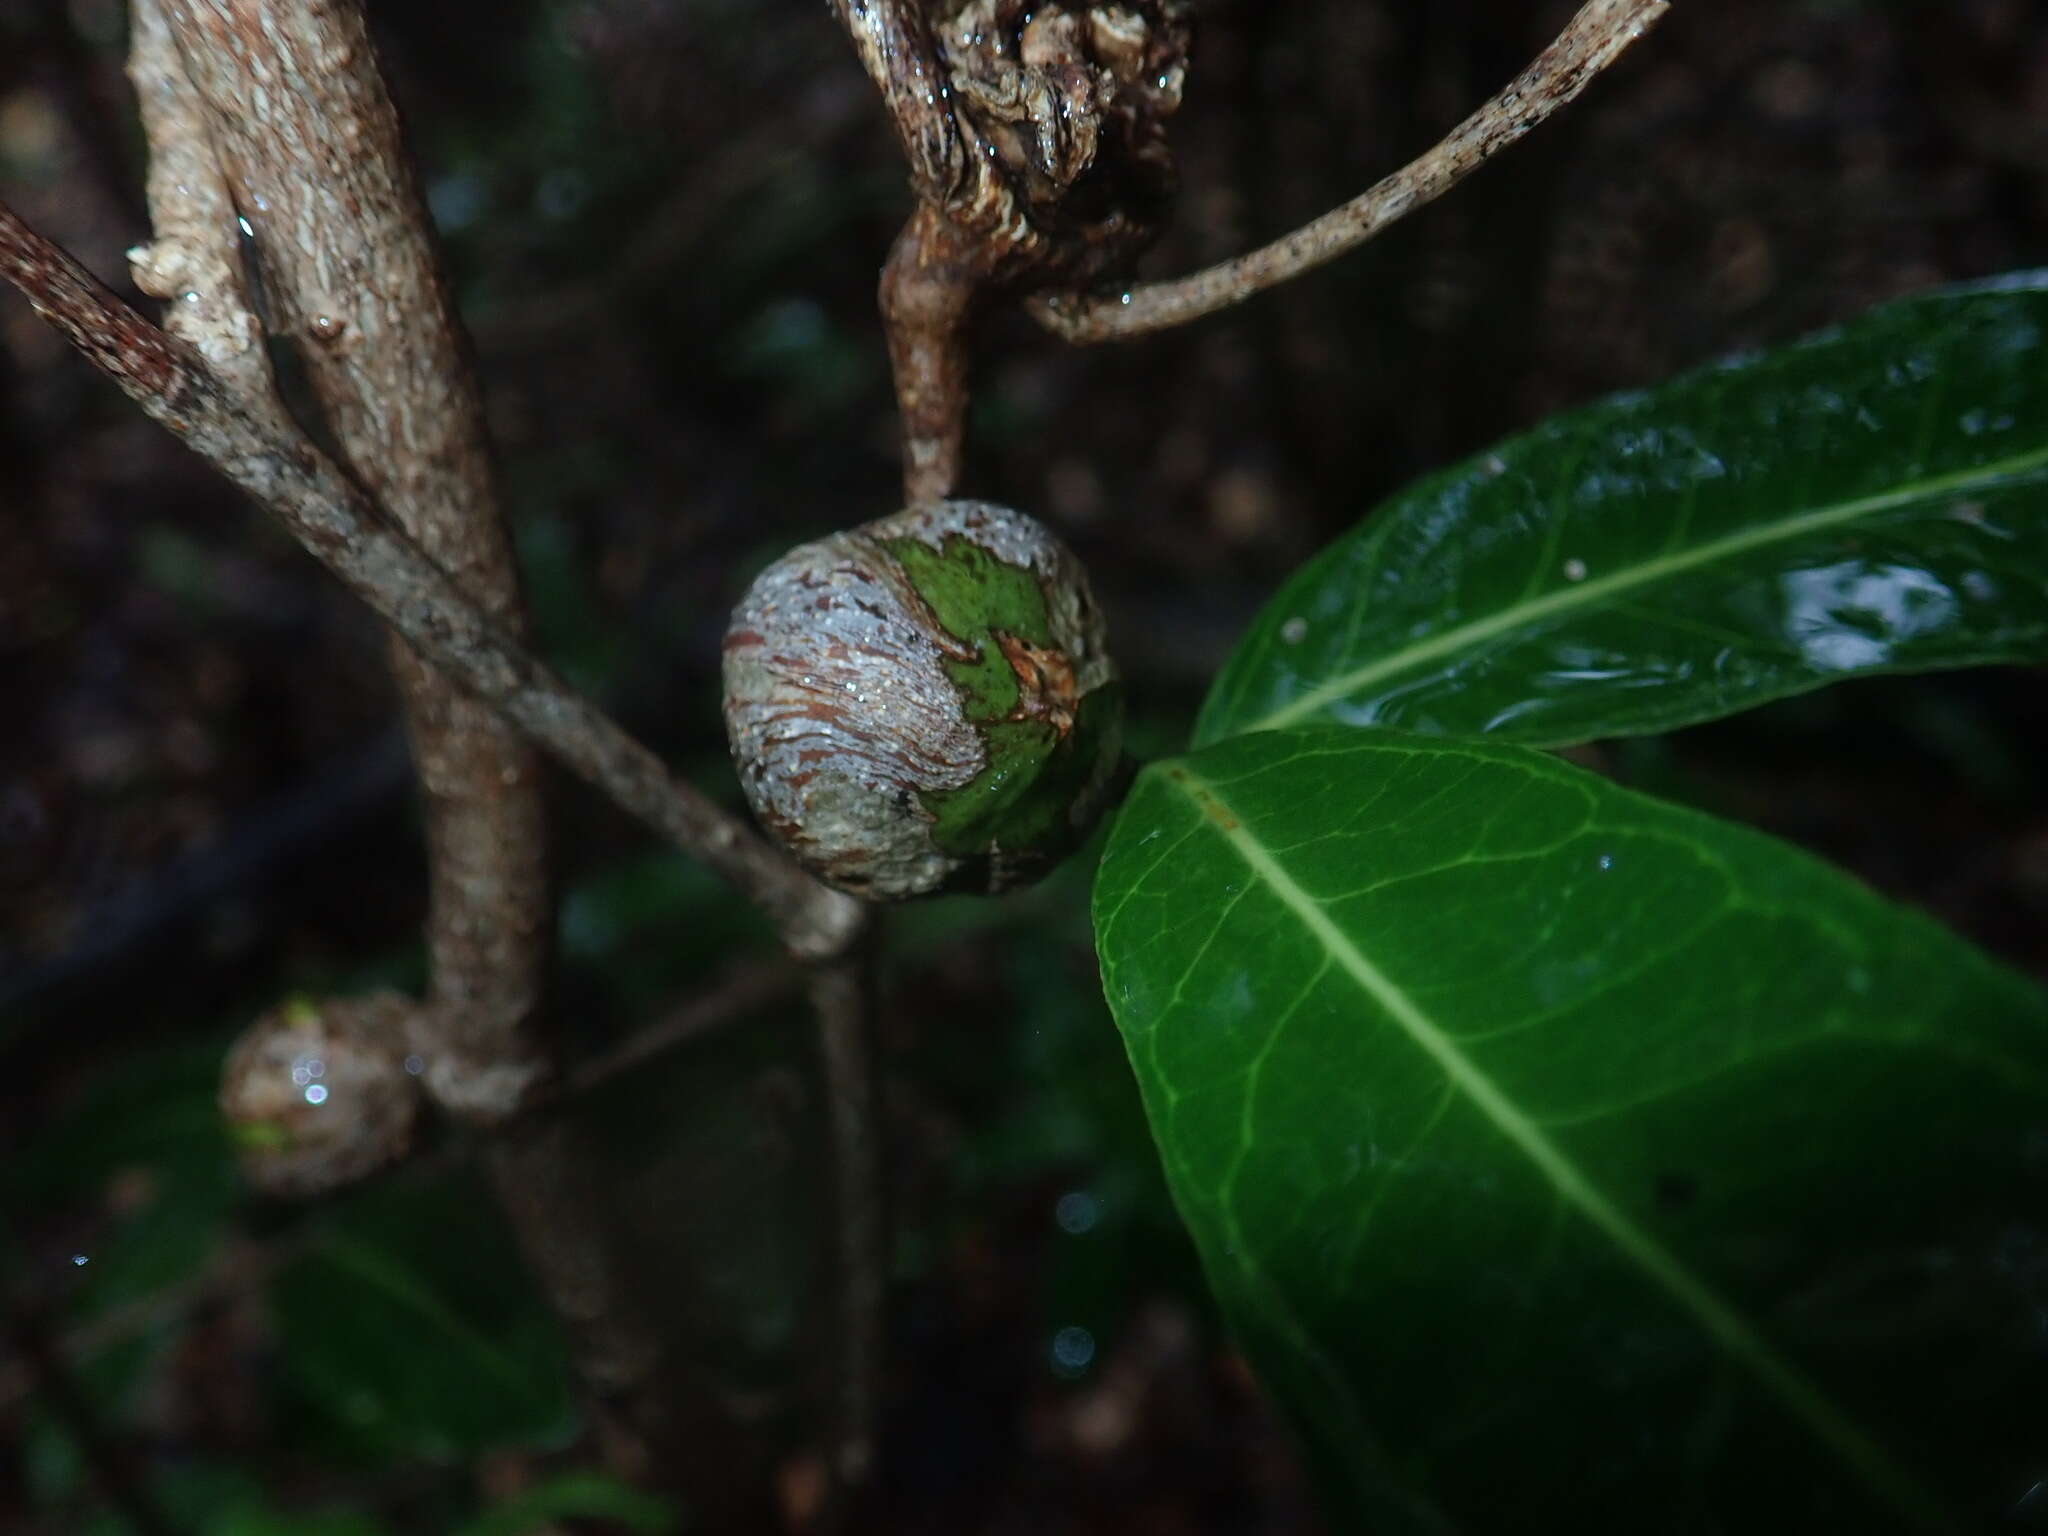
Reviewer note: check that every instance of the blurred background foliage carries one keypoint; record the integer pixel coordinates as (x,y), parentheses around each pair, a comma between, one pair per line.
(665,219)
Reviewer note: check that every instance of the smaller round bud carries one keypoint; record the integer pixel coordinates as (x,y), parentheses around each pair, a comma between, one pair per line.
(924,703)
(319,1094)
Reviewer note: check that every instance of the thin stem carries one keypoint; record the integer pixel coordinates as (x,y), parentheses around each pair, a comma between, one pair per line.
(1592,40)
(551,1184)
(928,291)
(742,991)
(936,272)
(938,268)
(843,993)
(339,526)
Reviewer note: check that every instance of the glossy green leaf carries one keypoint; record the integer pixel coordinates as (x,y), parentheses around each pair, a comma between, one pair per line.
(1874,499)
(1572,1161)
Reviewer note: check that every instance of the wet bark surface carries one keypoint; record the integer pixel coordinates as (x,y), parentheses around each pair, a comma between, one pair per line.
(666,225)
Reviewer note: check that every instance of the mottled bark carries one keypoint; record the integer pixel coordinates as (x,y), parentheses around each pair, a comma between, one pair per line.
(274,116)
(193,260)
(257,447)
(309,142)
(253,445)
(286,102)
(894,42)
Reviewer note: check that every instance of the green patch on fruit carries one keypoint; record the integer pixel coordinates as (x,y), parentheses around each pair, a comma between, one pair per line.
(1021,801)
(974,595)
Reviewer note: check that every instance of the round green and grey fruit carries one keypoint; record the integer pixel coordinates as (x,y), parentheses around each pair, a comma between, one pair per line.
(924,703)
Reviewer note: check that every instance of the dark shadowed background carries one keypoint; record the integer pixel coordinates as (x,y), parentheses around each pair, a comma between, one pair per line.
(666,218)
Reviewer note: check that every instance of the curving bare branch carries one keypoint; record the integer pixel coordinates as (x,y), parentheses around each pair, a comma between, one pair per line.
(339,525)
(1004,113)
(1593,39)
(276,116)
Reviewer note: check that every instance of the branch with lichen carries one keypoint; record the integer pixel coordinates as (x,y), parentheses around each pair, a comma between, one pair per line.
(275,118)
(286,127)
(282,470)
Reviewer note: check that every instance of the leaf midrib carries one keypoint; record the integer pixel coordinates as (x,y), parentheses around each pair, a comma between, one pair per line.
(1598,589)
(1801,1397)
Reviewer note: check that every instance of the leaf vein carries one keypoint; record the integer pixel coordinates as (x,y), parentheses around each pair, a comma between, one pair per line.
(1595,590)
(1716,1317)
